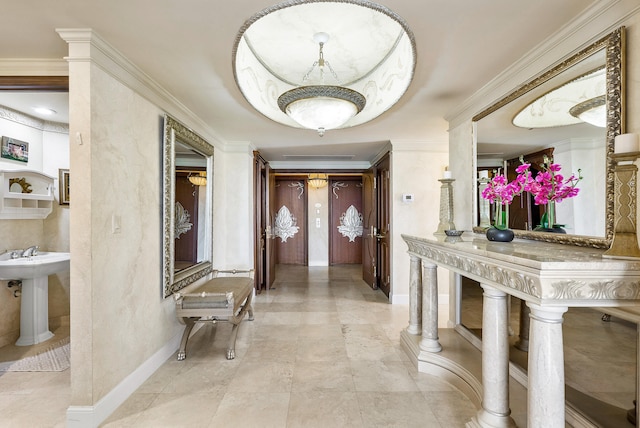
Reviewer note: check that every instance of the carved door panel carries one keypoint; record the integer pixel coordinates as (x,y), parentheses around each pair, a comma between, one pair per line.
(369,225)
(290,221)
(383,182)
(186,244)
(345,221)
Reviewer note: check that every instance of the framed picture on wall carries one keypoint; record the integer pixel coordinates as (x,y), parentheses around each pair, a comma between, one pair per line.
(63,184)
(15,149)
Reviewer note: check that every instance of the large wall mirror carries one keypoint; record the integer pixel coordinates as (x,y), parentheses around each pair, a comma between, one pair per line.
(187,206)
(546,116)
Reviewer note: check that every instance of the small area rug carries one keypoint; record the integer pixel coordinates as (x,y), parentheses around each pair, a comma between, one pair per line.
(54,359)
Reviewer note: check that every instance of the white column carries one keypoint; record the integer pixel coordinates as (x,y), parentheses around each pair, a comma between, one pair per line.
(545,404)
(415,297)
(429,341)
(495,410)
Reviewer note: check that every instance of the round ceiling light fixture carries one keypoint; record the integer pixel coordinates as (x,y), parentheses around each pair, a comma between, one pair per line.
(373,49)
(319,106)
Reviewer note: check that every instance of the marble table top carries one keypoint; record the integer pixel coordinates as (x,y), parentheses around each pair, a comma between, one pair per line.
(540,272)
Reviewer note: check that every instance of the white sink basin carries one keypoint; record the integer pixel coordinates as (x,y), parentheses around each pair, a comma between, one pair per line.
(34,273)
(42,264)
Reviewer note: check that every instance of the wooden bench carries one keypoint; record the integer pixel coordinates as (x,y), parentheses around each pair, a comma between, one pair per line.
(219,299)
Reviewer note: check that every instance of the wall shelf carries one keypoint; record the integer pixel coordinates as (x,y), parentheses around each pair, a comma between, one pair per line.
(25,194)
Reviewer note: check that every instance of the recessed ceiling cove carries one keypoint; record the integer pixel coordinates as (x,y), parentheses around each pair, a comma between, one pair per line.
(324,65)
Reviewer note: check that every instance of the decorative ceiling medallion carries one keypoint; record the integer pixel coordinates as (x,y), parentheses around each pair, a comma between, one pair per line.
(351,224)
(372,53)
(285,227)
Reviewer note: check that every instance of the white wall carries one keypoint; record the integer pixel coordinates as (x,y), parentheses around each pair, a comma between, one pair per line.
(415,168)
(318,209)
(233,233)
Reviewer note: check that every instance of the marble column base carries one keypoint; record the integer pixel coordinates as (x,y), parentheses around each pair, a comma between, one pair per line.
(484,419)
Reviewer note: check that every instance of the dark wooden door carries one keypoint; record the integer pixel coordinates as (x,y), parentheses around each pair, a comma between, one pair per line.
(186,245)
(523,213)
(369,224)
(345,221)
(290,222)
(270,255)
(383,182)
(263,247)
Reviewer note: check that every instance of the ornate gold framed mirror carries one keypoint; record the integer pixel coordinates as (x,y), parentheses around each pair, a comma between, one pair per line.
(187,206)
(582,144)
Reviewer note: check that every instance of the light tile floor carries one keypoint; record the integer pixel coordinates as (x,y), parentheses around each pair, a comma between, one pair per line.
(323,351)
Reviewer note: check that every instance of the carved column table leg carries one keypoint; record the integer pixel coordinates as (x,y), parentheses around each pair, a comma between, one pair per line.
(429,341)
(415,296)
(523,341)
(495,410)
(545,404)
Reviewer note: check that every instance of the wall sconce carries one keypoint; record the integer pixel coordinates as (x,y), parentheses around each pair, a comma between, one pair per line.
(198,180)
(318,181)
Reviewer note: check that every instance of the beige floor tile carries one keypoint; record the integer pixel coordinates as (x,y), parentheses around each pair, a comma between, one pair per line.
(262,377)
(238,409)
(321,350)
(193,410)
(272,351)
(374,376)
(322,409)
(398,409)
(322,376)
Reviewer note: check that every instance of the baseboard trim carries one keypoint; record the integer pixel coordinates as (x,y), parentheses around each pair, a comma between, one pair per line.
(93,416)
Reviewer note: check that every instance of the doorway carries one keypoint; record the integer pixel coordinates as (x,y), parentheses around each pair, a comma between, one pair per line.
(358,204)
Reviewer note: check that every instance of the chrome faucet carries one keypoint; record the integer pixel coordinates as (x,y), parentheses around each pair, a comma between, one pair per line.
(31,251)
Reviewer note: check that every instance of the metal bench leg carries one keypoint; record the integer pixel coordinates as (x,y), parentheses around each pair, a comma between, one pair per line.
(231,348)
(189,323)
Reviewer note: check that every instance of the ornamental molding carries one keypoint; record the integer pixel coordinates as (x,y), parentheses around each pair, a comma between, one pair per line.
(183,225)
(351,224)
(477,269)
(299,185)
(513,276)
(285,227)
(32,122)
(596,290)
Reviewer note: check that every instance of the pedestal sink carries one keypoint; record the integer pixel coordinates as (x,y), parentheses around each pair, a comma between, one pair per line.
(34,273)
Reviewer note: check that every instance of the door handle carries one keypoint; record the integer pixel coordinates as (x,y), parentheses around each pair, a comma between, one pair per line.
(380,235)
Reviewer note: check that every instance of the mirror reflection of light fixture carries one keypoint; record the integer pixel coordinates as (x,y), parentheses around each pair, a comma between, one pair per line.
(198,180)
(593,111)
(580,100)
(321,107)
(318,181)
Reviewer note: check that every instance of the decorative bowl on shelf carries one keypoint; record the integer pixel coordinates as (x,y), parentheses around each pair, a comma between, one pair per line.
(453,232)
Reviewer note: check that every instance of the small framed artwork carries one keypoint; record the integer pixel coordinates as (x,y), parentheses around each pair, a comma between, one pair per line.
(63,184)
(15,149)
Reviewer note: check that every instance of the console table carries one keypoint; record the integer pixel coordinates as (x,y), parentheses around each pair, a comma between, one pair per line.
(550,278)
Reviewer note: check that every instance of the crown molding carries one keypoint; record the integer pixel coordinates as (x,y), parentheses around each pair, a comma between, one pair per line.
(85,45)
(33,67)
(32,122)
(598,20)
